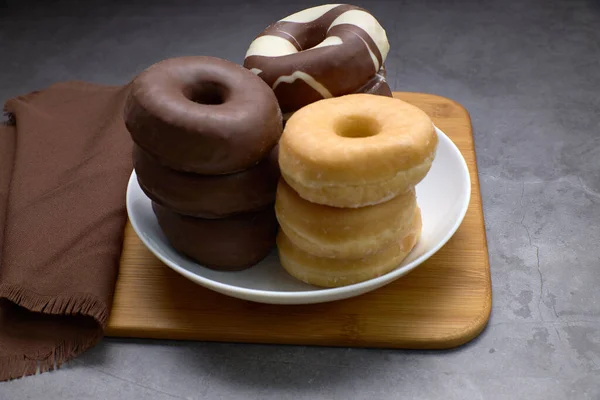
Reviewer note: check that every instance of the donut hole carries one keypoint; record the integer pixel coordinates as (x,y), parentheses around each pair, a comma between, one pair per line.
(357,126)
(207,93)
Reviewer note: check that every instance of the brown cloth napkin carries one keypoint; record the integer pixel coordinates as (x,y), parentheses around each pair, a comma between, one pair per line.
(65,159)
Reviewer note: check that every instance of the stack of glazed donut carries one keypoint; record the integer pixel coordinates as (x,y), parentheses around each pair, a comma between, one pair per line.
(346,203)
(321,52)
(205,133)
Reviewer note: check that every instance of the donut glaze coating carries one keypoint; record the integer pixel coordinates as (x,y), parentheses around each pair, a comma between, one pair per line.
(345,233)
(336,272)
(377,85)
(208,196)
(356,150)
(203,114)
(321,52)
(234,243)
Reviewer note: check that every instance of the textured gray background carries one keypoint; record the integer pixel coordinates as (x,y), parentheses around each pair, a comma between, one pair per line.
(527,71)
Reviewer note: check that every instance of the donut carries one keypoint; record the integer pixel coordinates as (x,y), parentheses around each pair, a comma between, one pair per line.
(343,233)
(208,196)
(334,272)
(356,150)
(318,53)
(232,244)
(376,85)
(203,114)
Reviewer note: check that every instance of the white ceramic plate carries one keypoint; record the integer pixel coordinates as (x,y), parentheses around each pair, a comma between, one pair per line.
(443,196)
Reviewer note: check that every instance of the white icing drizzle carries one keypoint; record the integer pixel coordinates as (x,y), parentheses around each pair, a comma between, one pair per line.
(310,14)
(329,41)
(255,71)
(291,38)
(270,46)
(367,23)
(373,57)
(309,80)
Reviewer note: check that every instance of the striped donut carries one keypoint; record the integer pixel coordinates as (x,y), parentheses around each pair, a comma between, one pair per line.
(321,52)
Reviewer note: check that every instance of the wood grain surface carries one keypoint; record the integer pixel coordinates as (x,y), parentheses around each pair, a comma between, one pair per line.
(441,304)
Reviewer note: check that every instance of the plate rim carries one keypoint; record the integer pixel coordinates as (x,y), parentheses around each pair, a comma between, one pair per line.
(318,294)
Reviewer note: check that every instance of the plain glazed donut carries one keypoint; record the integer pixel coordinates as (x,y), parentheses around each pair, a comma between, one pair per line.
(321,52)
(332,272)
(356,150)
(234,243)
(203,114)
(208,196)
(342,233)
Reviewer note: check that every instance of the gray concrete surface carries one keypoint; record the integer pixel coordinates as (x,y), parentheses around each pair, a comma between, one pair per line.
(529,74)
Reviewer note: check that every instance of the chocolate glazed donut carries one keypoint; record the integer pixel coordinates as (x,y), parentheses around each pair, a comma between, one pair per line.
(232,243)
(321,52)
(203,114)
(377,85)
(208,196)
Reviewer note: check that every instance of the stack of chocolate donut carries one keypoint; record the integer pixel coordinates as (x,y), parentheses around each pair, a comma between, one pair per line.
(346,203)
(205,133)
(321,52)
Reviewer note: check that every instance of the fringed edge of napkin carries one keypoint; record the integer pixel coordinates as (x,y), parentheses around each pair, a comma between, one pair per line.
(37,363)
(56,305)
(49,360)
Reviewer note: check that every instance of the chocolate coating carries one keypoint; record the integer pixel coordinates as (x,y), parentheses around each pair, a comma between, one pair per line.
(208,196)
(327,57)
(203,115)
(377,85)
(233,243)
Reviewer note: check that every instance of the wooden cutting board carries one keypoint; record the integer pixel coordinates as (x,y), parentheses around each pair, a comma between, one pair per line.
(441,304)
